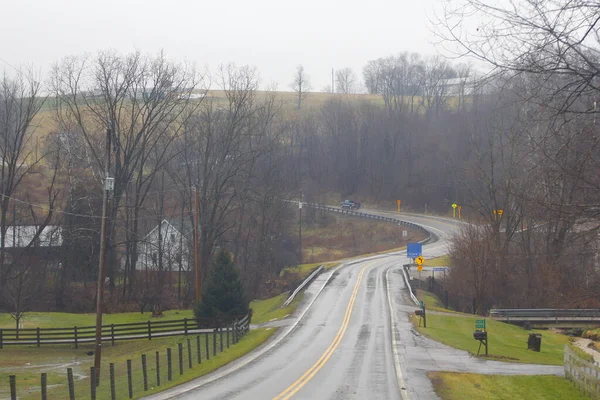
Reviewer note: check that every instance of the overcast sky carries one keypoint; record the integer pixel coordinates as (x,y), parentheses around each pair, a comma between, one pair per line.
(273,35)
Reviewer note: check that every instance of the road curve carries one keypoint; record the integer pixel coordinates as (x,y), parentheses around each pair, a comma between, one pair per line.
(350,338)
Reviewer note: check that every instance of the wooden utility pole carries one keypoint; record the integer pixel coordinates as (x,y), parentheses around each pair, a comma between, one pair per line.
(102,261)
(300,229)
(196,242)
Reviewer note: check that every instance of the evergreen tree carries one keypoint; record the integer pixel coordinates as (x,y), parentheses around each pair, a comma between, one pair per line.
(223,298)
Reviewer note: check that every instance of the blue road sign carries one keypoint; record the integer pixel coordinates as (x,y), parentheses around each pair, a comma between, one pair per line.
(439,269)
(414,250)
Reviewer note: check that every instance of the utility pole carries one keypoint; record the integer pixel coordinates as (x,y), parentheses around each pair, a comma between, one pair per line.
(196,242)
(300,228)
(332,86)
(108,185)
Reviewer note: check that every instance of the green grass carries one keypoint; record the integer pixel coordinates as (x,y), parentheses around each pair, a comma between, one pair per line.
(459,386)
(267,310)
(506,342)
(54,360)
(264,310)
(303,270)
(63,320)
(438,261)
(432,302)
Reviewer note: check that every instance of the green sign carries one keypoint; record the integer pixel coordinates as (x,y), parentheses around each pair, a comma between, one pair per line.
(480,324)
(422,304)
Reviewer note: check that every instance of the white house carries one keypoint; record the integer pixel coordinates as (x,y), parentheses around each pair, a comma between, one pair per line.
(20,236)
(171,240)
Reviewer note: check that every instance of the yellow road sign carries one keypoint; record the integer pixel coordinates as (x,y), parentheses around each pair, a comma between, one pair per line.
(420,260)
(454,205)
(419,267)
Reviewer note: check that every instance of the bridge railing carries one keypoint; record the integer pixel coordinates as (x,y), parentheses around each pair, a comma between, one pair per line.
(507,314)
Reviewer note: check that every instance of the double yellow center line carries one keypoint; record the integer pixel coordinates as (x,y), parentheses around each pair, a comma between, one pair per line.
(304,379)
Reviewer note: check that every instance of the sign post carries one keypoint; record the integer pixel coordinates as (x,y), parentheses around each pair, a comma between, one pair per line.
(458,208)
(419,261)
(454,205)
(481,334)
(422,314)
(398,202)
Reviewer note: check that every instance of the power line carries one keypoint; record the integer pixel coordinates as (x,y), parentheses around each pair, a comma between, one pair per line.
(9,64)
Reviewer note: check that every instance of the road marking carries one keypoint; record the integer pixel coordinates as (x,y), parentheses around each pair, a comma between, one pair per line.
(401,384)
(304,379)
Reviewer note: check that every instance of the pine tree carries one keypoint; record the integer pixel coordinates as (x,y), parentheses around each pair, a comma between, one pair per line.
(223,298)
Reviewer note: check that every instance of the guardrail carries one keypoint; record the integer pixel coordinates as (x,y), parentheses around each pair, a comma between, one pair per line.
(110,333)
(312,276)
(407,283)
(549,313)
(346,211)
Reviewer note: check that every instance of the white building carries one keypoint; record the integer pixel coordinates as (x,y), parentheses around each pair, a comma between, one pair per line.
(166,247)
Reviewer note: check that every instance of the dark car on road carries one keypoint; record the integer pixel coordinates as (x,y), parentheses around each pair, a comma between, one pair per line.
(351,204)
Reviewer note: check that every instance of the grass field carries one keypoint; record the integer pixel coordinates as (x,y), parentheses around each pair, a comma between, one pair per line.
(506,342)
(432,302)
(268,310)
(28,362)
(458,386)
(438,261)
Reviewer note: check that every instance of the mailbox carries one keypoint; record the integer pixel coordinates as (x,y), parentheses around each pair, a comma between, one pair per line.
(480,335)
(419,313)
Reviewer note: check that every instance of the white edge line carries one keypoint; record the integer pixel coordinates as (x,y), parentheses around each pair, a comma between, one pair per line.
(401,383)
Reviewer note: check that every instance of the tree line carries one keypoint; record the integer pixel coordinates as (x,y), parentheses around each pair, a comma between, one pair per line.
(521,139)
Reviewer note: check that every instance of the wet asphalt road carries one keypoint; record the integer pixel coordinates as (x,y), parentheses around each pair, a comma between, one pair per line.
(340,347)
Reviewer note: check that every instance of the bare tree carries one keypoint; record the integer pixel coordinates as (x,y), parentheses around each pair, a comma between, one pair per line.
(345,81)
(145,102)
(300,84)
(20,102)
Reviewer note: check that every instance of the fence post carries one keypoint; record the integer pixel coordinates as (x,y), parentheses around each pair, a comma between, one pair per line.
(235,340)
(169,370)
(215,342)
(129,379)
(227,335)
(144,372)
(93,383)
(221,339)
(189,343)
(13,387)
(1,339)
(149,331)
(198,349)
(180,351)
(43,382)
(112,334)
(71,384)
(38,336)
(157,369)
(113,394)
(75,335)
(185,320)
(206,341)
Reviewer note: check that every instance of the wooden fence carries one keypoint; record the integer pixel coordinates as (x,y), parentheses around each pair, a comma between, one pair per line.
(584,374)
(139,376)
(110,333)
